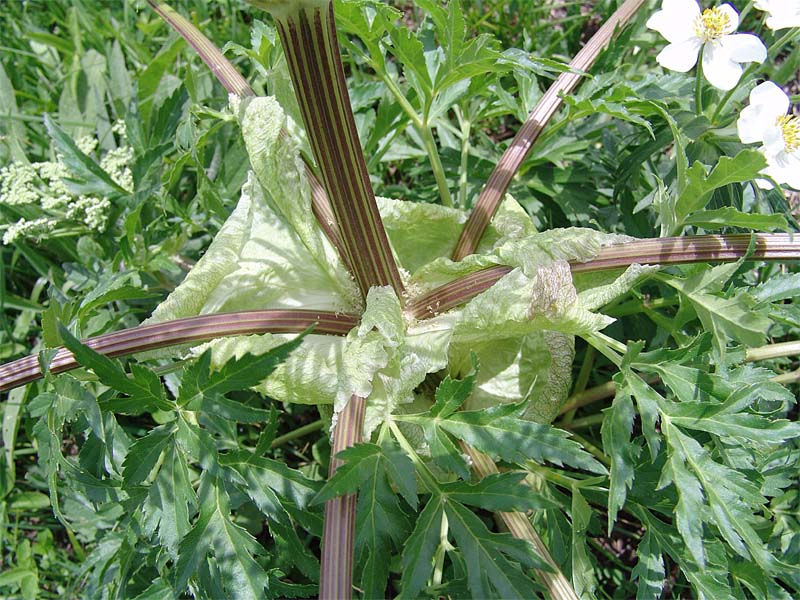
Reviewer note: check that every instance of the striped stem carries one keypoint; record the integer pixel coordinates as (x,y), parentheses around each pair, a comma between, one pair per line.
(664,251)
(694,249)
(308,34)
(520,527)
(230,78)
(498,182)
(338,536)
(455,292)
(181,331)
(220,66)
(656,251)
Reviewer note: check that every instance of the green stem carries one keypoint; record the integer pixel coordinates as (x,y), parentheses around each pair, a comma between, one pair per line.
(425,132)
(583,423)
(581,381)
(745,76)
(436,164)
(422,469)
(698,85)
(463,177)
(770,351)
(607,346)
(298,433)
(592,449)
(787,37)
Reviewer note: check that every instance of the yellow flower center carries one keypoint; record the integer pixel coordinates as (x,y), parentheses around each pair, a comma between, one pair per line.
(790,128)
(712,24)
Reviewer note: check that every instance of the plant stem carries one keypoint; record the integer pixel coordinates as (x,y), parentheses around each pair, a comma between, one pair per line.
(436,164)
(338,536)
(582,423)
(232,81)
(463,177)
(422,469)
(592,449)
(582,380)
(297,433)
(423,129)
(590,396)
(220,66)
(745,76)
(773,351)
(182,331)
(698,85)
(148,337)
(310,43)
(495,189)
(520,527)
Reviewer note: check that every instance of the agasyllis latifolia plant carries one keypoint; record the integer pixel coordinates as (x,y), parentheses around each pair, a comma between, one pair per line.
(439,342)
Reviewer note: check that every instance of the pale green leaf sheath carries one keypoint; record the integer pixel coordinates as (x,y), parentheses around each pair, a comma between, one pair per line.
(271,253)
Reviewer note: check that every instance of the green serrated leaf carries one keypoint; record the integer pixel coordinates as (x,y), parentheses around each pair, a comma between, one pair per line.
(444,451)
(400,470)
(286,482)
(647,401)
(452,393)
(420,547)
(729,494)
(146,394)
(583,578)
(649,569)
(232,547)
(490,574)
(726,318)
(499,491)
(144,453)
(782,286)
(348,477)
(236,374)
(500,431)
(616,434)
(169,501)
(732,217)
(381,526)
(745,166)
(755,429)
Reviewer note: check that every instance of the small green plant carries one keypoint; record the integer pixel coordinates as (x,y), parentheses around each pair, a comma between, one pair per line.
(431,338)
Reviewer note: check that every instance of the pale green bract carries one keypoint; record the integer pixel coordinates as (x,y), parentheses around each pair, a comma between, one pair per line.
(270,253)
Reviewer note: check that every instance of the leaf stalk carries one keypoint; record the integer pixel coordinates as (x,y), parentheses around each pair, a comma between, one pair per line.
(497,185)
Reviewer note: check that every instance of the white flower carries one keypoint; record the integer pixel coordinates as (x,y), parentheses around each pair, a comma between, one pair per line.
(766,121)
(782,13)
(688,31)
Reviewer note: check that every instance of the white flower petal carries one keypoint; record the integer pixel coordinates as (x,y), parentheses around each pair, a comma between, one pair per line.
(681,56)
(771,97)
(782,13)
(733,18)
(744,47)
(721,72)
(764,184)
(754,122)
(774,143)
(676,21)
(785,169)
(783,21)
